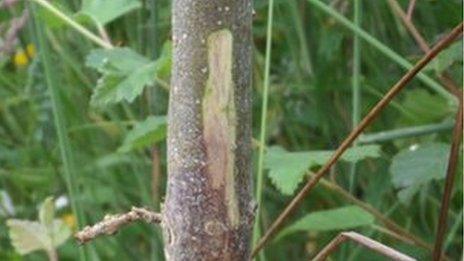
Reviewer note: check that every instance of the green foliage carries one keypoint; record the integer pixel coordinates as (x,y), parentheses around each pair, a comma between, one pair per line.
(418,165)
(310,109)
(424,108)
(47,234)
(145,134)
(343,218)
(287,169)
(125,73)
(105,11)
(447,58)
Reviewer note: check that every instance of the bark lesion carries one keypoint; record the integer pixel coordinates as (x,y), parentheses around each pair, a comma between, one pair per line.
(219,120)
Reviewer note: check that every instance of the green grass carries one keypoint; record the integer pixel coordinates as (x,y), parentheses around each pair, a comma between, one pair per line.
(330,61)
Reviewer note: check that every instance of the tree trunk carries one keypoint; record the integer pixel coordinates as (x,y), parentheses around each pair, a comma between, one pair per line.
(208,213)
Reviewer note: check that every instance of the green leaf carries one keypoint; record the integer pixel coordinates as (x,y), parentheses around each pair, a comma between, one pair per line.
(105,11)
(448,57)
(117,60)
(47,212)
(417,166)
(59,233)
(334,219)
(424,108)
(145,134)
(125,73)
(287,169)
(28,236)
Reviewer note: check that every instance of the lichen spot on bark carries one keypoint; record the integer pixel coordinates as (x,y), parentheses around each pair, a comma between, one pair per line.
(219,119)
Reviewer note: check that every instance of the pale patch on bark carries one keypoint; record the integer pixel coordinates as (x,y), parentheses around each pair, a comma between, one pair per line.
(219,119)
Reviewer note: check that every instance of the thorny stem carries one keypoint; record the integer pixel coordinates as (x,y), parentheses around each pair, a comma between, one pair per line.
(450,174)
(356,132)
(112,223)
(364,241)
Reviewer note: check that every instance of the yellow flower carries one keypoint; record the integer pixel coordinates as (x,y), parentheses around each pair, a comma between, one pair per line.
(69,220)
(30,49)
(20,59)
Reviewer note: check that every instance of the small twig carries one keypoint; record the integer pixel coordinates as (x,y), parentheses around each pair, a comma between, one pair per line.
(444,78)
(450,174)
(364,241)
(112,223)
(411,7)
(356,132)
(409,25)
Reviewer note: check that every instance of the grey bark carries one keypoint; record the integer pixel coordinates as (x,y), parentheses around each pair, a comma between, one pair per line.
(208,212)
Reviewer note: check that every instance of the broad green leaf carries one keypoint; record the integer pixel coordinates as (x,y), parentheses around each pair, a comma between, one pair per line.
(424,108)
(120,60)
(28,236)
(105,11)
(60,232)
(145,134)
(47,212)
(334,219)
(287,169)
(125,73)
(113,88)
(418,165)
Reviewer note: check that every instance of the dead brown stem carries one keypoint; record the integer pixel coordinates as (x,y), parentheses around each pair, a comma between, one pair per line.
(356,132)
(112,223)
(444,77)
(411,6)
(364,241)
(450,174)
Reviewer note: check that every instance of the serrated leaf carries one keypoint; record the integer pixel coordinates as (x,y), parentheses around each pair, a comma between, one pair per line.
(28,236)
(144,134)
(105,11)
(121,60)
(417,166)
(328,220)
(287,169)
(125,73)
(47,212)
(113,88)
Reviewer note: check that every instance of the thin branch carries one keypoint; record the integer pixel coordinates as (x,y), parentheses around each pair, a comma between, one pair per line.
(444,78)
(112,223)
(356,132)
(409,25)
(364,241)
(450,175)
(411,7)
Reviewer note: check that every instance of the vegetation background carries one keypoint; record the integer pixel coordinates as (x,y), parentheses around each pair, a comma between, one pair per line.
(84,123)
